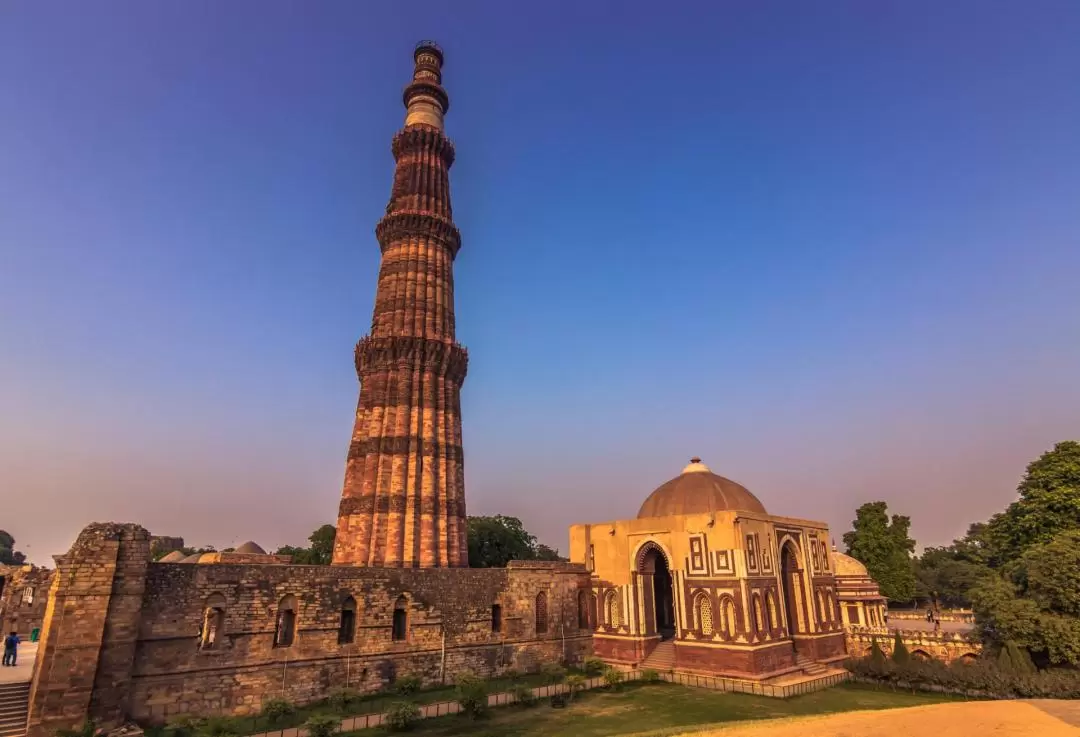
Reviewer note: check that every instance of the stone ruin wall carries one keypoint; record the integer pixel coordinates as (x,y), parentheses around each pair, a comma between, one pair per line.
(943,646)
(121,635)
(16,614)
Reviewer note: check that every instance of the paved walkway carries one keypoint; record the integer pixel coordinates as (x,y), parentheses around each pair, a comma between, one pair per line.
(922,625)
(24,666)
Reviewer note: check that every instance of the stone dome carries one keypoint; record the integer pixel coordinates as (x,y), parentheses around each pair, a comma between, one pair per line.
(845,565)
(193,558)
(175,556)
(698,490)
(251,548)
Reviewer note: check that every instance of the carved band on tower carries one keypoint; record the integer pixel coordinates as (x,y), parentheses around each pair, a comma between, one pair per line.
(403,501)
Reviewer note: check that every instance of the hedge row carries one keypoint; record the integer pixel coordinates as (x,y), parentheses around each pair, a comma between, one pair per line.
(982,677)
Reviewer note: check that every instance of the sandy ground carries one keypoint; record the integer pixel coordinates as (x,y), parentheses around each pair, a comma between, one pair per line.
(966,719)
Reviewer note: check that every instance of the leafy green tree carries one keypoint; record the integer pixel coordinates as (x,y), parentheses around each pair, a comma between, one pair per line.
(885,548)
(321,551)
(8,554)
(1035,601)
(543,552)
(944,577)
(1049,503)
(495,541)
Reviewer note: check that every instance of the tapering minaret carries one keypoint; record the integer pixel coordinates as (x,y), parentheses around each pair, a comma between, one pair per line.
(403,502)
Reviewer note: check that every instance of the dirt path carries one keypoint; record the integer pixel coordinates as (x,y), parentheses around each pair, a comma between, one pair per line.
(967,719)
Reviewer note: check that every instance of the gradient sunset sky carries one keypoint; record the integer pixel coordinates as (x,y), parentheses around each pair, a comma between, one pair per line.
(832,248)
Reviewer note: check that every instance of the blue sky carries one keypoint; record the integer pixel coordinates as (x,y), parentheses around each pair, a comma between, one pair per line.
(830,248)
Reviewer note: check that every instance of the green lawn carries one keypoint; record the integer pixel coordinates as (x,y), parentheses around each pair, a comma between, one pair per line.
(641,708)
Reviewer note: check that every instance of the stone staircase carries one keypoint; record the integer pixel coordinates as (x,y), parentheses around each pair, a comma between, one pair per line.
(14,704)
(808,666)
(662,658)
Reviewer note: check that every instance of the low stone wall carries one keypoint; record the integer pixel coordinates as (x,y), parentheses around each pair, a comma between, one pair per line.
(944,646)
(965,616)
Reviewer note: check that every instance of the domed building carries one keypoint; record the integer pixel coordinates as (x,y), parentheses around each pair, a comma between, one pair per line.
(861,602)
(706,580)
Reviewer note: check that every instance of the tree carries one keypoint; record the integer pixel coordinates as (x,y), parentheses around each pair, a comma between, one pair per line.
(884,547)
(944,577)
(321,552)
(8,554)
(900,654)
(1035,601)
(1049,503)
(495,541)
(543,552)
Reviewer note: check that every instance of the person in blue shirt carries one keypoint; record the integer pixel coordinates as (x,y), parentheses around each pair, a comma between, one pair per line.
(11,644)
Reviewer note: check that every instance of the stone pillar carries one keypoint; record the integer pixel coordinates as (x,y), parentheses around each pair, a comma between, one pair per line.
(87,649)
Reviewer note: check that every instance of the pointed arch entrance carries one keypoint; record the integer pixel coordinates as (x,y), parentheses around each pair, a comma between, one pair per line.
(791,575)
(658,588)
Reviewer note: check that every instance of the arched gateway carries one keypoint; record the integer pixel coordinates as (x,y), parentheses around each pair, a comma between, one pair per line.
(652,565)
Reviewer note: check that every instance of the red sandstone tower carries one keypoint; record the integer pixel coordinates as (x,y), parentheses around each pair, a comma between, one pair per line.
(403,501)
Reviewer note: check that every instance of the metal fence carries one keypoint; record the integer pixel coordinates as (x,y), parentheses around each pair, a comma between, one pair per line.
(505,698)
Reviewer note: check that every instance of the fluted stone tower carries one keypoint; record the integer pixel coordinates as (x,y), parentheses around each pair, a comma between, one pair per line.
(403,501)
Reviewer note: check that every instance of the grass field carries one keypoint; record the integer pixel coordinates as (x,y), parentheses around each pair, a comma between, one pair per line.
(646,708)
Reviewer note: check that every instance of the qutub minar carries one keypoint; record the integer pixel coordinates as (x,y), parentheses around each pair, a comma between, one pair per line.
(403,502)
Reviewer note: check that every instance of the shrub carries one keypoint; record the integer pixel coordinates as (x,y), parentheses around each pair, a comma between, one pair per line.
(593,666)
(472,694)
(218,727)
(558,700)
(276,711)
(877,657)
(982,677)
(408,685)
(523,695)
(900,654)
(322,725)
(402,715)
(1015,659)
(340,699)
(613,677)
(649,675)
(553,672)
(87,729)
(575,683)
(511,674)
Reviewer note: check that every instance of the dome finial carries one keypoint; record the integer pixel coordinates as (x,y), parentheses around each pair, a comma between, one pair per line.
(696,466)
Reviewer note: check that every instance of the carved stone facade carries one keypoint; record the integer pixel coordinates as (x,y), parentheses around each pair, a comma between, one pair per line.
(735,590)
(403,500)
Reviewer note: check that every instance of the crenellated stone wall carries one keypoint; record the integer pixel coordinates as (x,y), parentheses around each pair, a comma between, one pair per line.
(944,646)
(123,637)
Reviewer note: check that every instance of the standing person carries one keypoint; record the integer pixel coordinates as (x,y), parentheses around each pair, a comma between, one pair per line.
(11,644)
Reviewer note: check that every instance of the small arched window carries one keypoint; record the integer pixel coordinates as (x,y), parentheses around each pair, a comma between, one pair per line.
(400,627)
(820,606)
(496,618)
(759,622)
(28,595)
(611,608)
(727,614)
(347,625)
(594,611)
(213,626)
(770,607)
(285,627)
(541,613)
(582,610)
(703,608)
